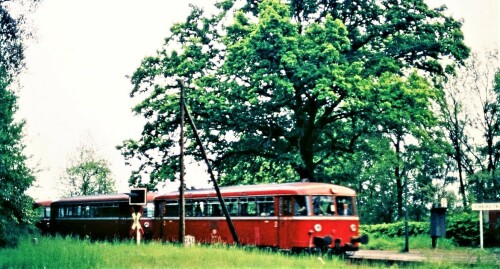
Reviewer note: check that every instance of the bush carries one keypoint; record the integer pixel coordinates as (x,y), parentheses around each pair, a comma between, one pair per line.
(463,228)
(396,229)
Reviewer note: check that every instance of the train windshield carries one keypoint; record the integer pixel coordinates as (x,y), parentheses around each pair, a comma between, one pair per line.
(323,205)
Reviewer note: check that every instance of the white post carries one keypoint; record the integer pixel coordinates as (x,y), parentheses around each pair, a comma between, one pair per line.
(138,236)
(481,227)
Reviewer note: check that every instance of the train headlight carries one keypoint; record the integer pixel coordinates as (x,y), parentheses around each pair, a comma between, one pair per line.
(353,227)
(317,227)
(146,224)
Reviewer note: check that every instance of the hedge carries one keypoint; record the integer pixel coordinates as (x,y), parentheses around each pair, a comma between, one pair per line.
(463,228)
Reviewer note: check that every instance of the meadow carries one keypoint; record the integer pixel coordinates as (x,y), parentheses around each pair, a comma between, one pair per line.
(58,252)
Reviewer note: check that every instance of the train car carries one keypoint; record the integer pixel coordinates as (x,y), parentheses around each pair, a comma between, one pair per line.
(292,216)
(100,216)
(42,208)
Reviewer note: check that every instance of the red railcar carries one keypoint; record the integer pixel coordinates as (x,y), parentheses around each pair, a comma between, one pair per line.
(42,208)
(100,216)
(291,216)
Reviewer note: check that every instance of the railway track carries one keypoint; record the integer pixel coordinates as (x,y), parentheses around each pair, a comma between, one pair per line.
(459,257)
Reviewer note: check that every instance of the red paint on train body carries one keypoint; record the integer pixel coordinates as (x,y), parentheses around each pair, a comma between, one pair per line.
(290,216)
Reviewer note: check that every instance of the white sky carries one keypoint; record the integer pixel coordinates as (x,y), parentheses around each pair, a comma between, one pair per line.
(75,85)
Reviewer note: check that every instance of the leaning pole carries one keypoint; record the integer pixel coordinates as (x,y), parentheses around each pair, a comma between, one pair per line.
(210,171)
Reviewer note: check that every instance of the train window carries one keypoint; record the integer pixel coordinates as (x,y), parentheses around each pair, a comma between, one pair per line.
(214,209)
(149,210)
(94,210)
(265,206)
(300,206)
(41,212)
(160,209)
(248,207)
(323,205)
(189,208)
(86,211)
(286,206)
(345,205)
(232,206)
(199,208)
(172,209)
(60,212)
(47,211)
(109,210)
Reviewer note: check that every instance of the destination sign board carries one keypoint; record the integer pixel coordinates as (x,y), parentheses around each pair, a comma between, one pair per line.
(486,206)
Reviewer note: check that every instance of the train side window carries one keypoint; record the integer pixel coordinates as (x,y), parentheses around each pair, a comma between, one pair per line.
(200,208)
(60,212)
(86,211)
(232,206)
(265,206)
(300,206)
(95,211)
(248,207)
(159,209)
(149,210)
(189,208)
(286,206)
(68,212)
(323,205)
(109,210)
(172,209)
(47,211)
(41,212)
(214,209)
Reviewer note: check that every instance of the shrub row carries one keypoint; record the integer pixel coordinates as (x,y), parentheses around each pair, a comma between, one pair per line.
(463,228)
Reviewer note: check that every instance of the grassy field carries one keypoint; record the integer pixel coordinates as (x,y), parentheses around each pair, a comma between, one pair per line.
(71,253)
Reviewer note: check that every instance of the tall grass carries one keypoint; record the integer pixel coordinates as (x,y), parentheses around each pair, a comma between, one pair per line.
(415,242)
(72,253)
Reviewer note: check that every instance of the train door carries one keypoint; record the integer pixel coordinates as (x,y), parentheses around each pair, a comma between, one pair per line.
(158,220)
(266,229)
(284,221)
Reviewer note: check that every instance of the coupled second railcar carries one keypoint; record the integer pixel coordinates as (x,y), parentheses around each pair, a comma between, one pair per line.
(291,216)
(107,216)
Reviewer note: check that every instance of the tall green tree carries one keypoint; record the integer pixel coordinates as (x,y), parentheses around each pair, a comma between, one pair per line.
(292,86)
(456,121)
(471,119)
(87,174)
(15,175)
(487,86)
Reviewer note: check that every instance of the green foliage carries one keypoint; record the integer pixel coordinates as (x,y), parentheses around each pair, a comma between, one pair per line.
(416,242)
(87,174)
(396,229)
(463,228)
(15,176)
(285,92)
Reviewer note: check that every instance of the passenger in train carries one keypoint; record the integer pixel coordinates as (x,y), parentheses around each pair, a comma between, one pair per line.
(345,211)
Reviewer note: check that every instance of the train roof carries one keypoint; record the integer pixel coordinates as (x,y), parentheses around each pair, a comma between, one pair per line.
(101,198)
(43,202)
(298,188)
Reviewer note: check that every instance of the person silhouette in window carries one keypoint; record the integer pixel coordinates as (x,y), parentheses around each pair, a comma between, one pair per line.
(345,211)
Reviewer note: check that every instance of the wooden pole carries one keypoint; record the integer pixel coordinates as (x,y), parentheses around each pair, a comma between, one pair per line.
(212,177)
(182,220)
